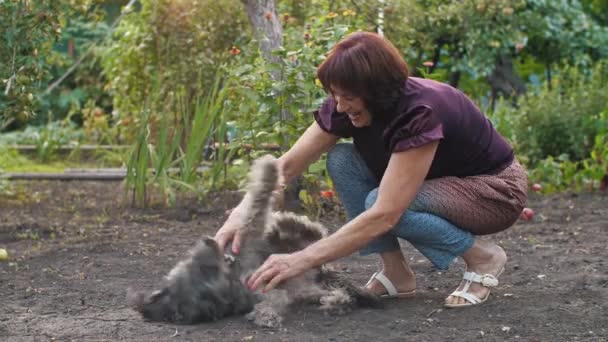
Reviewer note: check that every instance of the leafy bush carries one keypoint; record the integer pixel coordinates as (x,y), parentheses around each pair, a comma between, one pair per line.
(559,31)
(256,100)
(29,29)
(561,173)
(564,119)
(465,36)
(182,42)
(84,88)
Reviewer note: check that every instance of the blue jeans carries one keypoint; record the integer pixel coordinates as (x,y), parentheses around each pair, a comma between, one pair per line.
(436,238)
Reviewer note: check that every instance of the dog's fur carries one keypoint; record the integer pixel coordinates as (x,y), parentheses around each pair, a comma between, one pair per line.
(208,284)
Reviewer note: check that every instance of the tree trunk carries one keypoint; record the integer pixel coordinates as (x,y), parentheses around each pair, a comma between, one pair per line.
(267,28)
(269,33)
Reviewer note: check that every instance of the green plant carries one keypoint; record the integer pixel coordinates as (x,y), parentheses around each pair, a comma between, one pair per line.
(207,110)
(588,174)
(559,31)
(4,185)
(562,119)
(29,29)
(169,147)
(257,101)
(137,166)
(47,139)
(179,42)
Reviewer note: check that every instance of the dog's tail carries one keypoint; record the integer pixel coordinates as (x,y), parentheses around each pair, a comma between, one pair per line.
(263,180)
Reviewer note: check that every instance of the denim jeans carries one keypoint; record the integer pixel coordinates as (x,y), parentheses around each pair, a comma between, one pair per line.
(436,238)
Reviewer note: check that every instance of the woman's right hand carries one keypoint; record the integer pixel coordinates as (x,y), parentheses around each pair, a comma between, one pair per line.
(231,231)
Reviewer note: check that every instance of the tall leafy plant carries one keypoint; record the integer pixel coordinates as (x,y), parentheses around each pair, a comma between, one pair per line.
(207,109)
(169,148)
(137,166)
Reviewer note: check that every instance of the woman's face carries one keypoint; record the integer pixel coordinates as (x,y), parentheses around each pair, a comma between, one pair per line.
(353,106)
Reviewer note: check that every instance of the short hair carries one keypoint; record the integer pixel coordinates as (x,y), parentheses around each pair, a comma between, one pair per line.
(368,66)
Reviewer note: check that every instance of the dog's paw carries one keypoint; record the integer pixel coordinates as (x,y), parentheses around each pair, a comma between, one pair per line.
(265,317)
(336,300)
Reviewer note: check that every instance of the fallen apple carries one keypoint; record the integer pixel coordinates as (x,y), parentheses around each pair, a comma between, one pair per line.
(327,194)
(537,187)
(527,214)
(3,254)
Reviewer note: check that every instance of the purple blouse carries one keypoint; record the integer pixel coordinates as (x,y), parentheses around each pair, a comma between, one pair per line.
(428,111)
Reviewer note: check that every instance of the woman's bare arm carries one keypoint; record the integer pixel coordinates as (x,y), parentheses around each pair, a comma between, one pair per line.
(304,152)
(309,147)
(404,175)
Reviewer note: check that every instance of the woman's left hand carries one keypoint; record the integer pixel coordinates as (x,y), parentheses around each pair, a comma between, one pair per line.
(276,269)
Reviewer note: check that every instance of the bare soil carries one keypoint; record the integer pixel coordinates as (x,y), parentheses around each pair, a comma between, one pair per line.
(75,247)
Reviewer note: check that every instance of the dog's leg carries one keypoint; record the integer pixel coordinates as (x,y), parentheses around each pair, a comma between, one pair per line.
(263,179)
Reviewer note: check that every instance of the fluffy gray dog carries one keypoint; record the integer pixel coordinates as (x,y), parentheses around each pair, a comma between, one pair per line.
(208,284)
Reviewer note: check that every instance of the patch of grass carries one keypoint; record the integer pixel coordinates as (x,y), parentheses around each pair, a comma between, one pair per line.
(13,161)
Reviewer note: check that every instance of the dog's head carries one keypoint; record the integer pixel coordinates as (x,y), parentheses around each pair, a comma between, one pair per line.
(198,289)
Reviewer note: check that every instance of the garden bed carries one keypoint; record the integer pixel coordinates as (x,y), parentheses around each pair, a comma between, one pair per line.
(75,247)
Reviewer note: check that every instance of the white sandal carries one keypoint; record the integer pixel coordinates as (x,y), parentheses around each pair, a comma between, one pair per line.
(486,280)
(388,285)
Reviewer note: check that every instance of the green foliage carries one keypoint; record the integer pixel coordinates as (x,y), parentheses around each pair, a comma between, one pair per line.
(598,9)
(207,111)
(560,31)
(4,185)
(561,120)
(318,197)
(266,111)
(47,138)
(29,29)
(182,42)
(168,150)
(84,89)
(8,158)
(564,174)
(137,166)
(460,36)
(466,38)
(256,100)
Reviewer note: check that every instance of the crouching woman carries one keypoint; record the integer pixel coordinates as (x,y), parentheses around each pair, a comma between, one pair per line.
(425,165)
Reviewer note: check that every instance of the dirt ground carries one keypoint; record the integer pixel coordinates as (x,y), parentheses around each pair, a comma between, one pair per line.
(75,247)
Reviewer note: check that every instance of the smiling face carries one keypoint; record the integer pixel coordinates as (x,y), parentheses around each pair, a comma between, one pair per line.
(353,106)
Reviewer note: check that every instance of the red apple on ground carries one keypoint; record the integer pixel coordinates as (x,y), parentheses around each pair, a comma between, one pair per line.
(3,254)
(527,214)
(327,194)
(537,187)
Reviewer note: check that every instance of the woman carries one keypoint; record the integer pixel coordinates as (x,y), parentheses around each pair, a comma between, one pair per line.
(425,166)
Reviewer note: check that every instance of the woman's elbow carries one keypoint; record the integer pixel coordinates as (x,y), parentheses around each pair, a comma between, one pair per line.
(387,219)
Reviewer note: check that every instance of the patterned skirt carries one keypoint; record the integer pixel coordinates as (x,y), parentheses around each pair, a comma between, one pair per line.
(482,204)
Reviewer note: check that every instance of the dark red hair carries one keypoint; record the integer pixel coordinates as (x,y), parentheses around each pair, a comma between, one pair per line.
(368,66)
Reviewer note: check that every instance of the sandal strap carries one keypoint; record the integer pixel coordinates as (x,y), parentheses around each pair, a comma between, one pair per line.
(388,285)
(471,298)
(486,280)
